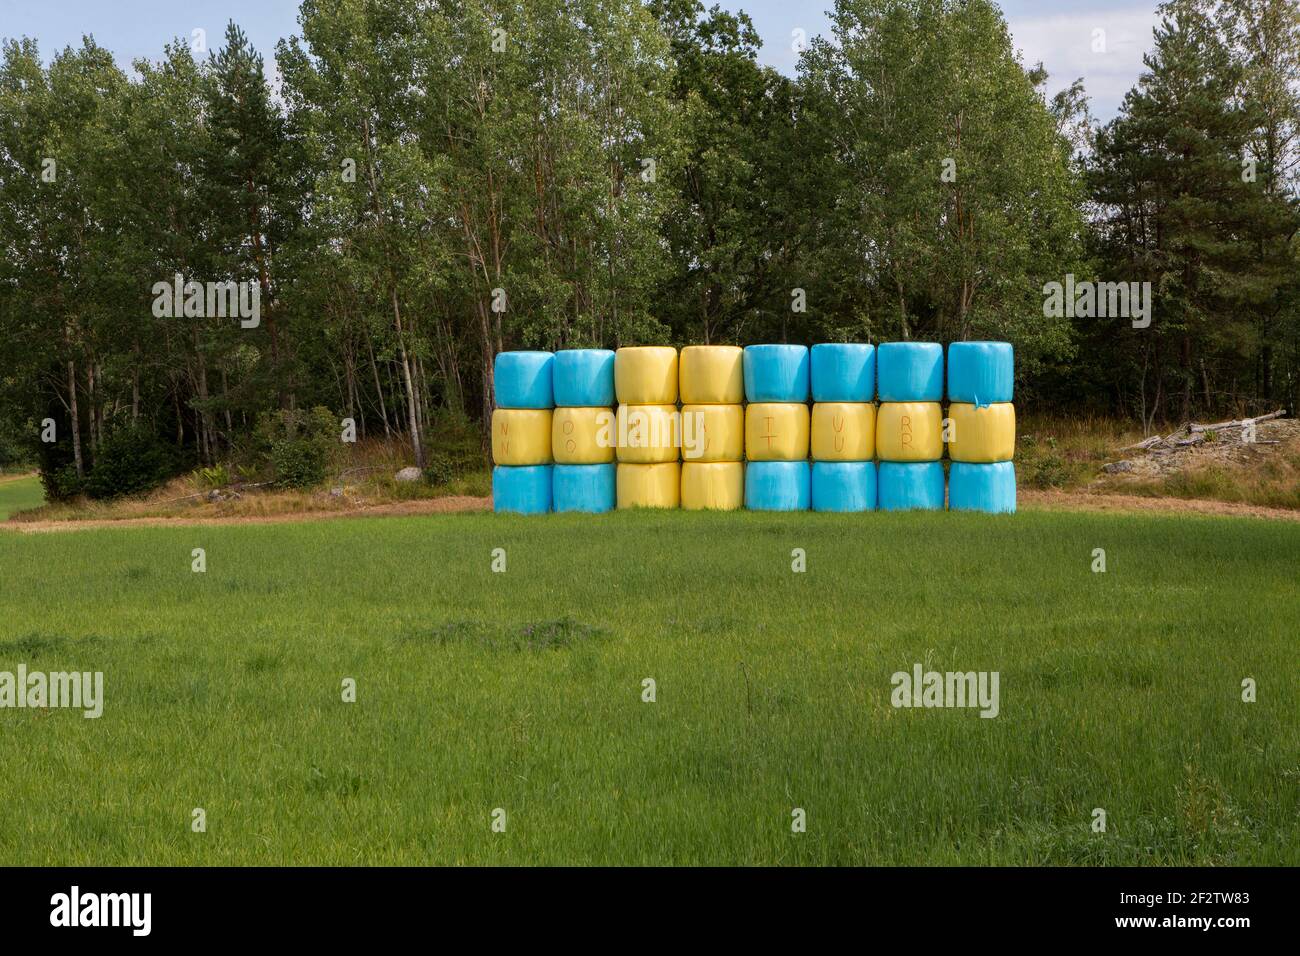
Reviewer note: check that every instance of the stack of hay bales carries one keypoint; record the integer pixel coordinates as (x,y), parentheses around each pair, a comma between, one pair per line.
(909,425)
(645,382)
(982,427)
(583,431)
(777,477)
(712,389)
(843,427)
(521,432)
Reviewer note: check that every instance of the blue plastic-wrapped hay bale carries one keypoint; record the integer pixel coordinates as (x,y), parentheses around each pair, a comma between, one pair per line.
(584,378)
(525,489)
(524,379)
(990,487)
(589,488)
(980,373)
(909,372)
(843,372)
(844,486)
(776,373)
(777,486)
(910,485)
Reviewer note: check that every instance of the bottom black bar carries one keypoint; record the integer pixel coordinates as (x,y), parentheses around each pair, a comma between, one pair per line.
(334,906)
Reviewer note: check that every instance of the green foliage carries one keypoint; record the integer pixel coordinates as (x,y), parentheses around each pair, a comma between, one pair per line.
(298,444)
(131,460)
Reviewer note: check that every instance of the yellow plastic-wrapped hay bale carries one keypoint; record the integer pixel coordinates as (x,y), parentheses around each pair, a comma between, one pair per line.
(909,431)
(717,485)
(981,434)
(646,375)
(521,436)
(649,486)
(843,431)
(776,431)
(712,375)
(648,434)
(583,436)
(713,433)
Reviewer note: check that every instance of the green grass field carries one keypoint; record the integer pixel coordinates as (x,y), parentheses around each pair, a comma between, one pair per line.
(523,691)
(18,494)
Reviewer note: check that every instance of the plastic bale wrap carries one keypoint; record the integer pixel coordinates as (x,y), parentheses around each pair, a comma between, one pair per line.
(712,375)
(646,375)
(777,486)
(909,431)
(776,431)
(844,486)
(909,372)
(583,436)
(521,436)
(990,487)
(584,378)
(649,486)
(648,434)
(981,373)
(776,373)
(843,431)
(524,379)
(981,434)
(718,485)
(523,489)
(907,486)
(589,488)
(713,433)
(843,372)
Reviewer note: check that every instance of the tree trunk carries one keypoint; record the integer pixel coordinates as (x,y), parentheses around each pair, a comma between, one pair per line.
(76,419)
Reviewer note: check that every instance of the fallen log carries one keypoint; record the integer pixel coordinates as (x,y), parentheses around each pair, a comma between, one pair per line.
(1242,423)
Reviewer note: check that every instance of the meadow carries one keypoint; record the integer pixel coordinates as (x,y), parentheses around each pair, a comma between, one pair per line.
(523,691)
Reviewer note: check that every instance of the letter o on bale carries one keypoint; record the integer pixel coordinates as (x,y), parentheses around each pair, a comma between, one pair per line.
(646,375)
(521,436)
(716,485)
(844,486)
(909,372)
(712,375)
(843,372)
(777,486)
(648,434)
(909,431)
(583,436)
(843,431)
(980,373)
(713,433)
(589,488)
(524,379)
(912,485)
(982,434)
(649,486)
(989,487)
(525,490)
(776,431)
(776,373)
(584,378)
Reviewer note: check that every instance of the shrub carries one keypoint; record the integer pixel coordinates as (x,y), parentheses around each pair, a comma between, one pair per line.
(131,460)
(61,482)
(299,444)
(441,470)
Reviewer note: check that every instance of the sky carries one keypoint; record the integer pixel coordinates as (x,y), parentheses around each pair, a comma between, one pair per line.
(1059,33)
